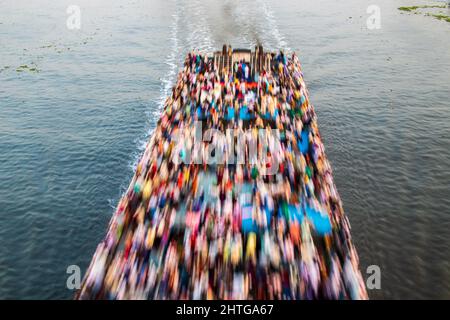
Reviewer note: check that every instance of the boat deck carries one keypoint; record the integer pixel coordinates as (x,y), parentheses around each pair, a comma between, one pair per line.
(233,197)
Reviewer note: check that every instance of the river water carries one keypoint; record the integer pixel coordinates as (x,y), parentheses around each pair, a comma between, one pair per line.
(76,107)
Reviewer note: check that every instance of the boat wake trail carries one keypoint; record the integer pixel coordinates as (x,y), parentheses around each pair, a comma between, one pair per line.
(168,80)
(243,24)
(197,27)
(166,83)
(272,27)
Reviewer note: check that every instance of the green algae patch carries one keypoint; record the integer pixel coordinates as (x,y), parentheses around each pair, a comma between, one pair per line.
(413,8)
(441,17)
(27,68)
(408,9)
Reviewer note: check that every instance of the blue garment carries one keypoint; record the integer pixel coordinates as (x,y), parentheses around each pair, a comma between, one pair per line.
(295,213)
(303,143)
(269,214)
(321,221)
(244,114)
(268,116)
(230,113)
(201,115)
(248,225)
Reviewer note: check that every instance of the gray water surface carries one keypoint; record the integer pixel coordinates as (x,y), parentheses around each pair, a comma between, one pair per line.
(72,130)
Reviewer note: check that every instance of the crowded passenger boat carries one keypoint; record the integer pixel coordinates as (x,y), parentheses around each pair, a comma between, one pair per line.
(233,197)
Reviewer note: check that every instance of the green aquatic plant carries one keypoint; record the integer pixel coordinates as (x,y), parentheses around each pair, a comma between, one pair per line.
(441,17)
(25,67)
(22,68)
(413,8)
(409,9)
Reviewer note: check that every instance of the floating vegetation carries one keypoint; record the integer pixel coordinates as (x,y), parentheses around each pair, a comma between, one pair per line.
(441,17)
(409,9)
(415,10)
(26,68)
(58,48)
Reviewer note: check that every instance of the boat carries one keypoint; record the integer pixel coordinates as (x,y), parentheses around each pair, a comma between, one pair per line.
(233,197)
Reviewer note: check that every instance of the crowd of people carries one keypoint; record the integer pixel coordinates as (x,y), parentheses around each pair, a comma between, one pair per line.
(202,220)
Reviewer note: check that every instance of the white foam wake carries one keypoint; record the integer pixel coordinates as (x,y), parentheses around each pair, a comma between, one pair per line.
(279,39)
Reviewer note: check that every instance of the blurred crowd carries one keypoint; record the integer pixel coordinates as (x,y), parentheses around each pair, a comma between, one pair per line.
(196,224)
